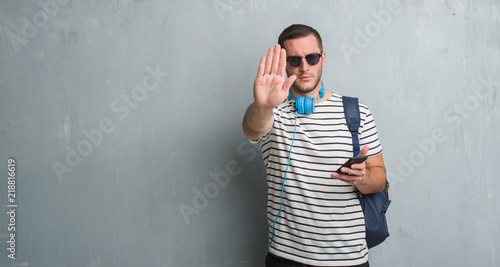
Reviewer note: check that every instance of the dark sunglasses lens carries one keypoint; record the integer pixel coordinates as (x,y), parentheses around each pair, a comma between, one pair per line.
(294,61)
(312,59)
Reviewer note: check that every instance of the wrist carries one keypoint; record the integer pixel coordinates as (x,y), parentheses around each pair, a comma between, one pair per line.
(372,182)
(257,121)
(261,109)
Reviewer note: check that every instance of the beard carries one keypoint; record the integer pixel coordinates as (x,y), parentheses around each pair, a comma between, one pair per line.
(307,89)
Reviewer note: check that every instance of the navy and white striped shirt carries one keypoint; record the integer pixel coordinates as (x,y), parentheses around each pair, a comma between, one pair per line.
(321,222)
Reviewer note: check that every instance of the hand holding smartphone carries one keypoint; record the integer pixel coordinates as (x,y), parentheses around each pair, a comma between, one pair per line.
(351,161)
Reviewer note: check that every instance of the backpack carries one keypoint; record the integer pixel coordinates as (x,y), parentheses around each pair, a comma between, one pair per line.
(374,205)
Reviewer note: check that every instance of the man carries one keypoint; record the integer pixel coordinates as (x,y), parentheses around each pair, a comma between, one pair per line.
(314,214)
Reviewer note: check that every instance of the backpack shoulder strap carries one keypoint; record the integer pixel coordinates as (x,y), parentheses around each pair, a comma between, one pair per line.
(353,120)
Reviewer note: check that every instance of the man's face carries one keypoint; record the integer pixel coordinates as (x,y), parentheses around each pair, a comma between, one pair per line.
(308,76)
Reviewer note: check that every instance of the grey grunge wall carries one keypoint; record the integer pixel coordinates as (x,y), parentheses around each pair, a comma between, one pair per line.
(121,144)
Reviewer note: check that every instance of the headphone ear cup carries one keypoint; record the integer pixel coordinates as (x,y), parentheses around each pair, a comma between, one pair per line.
(309,105)
(299,104)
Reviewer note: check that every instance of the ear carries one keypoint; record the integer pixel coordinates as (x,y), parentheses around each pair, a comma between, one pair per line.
(323,57)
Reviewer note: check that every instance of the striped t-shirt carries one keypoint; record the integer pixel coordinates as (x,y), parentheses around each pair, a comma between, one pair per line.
(321,222)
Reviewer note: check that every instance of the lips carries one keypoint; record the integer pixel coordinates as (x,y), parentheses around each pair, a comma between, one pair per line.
(305,78)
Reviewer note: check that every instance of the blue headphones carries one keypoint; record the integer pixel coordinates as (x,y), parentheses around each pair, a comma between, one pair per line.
(305,105)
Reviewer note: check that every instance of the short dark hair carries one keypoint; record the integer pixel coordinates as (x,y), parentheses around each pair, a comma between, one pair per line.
(297,31)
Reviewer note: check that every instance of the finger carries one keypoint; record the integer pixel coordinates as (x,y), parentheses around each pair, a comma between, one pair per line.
(338,176)
(276,59)
(348,171)
(282,63)
(364,151)
(344,177)
(358,166)
(262,65)
(270,55)
(288,83)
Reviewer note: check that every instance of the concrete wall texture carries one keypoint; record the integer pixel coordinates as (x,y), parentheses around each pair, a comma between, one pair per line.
(121,144)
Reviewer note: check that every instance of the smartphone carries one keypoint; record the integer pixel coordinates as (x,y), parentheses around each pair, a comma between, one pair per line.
(351,161)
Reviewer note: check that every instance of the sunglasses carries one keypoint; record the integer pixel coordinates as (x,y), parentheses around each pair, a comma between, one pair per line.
(312,59)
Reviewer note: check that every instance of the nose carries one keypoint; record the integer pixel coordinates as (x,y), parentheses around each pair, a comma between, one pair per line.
(304,66)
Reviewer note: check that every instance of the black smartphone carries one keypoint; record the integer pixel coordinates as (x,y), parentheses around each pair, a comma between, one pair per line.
(351,161)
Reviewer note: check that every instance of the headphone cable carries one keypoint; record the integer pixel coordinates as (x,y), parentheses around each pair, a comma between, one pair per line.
(284,179)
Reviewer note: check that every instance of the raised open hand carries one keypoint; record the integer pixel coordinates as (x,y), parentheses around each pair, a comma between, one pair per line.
(271,86)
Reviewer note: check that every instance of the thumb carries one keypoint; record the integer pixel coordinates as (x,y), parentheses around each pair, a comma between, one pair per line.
(288,83)
(364,151)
